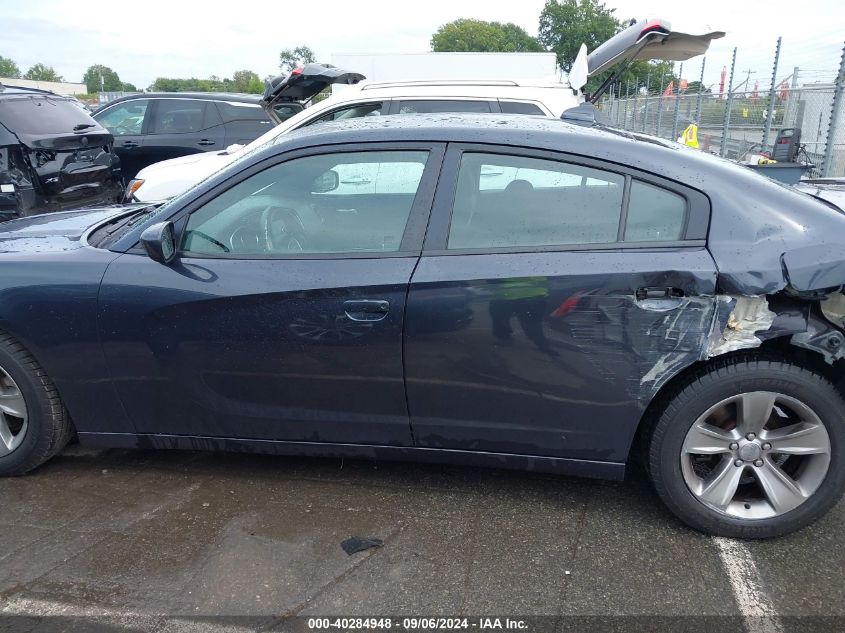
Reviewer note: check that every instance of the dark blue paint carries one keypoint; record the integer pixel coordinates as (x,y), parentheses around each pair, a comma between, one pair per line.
(545,353)
(260,349)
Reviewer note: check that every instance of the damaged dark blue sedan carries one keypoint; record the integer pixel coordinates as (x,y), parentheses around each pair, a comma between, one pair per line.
(489,290)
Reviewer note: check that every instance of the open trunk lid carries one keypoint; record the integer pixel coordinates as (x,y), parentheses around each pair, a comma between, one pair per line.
(649,39)
(302,84)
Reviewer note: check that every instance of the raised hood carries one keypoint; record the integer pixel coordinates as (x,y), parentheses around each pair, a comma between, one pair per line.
(303,83)
(649,39)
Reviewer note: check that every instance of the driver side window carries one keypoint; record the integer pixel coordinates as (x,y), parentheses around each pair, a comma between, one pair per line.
(311,205)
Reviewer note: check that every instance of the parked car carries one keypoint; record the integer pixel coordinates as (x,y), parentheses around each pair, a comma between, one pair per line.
(53,155)
(644,40)
(366,289)
(156,126)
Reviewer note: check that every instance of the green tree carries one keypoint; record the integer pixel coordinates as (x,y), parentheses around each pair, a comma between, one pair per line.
(653,75)
(291,58)
(256,86)
(566,24)
(694,87)
(127,87)
(241,80)
(40,72)
(8,68)
(99,78)
(481,36)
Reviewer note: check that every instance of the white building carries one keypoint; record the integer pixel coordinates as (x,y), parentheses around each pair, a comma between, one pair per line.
(59,87)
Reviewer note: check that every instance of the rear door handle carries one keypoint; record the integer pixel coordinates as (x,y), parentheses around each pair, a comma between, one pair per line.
(130,144)
(205,141)
(366,309)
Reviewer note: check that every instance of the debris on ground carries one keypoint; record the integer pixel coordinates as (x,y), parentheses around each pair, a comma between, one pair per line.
(359,544)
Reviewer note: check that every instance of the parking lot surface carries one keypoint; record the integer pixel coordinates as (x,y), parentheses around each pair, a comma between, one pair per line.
(150,540)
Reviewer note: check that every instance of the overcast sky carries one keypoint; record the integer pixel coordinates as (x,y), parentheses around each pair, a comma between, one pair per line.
(185,38)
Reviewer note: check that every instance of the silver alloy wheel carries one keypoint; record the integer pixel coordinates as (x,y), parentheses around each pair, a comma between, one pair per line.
(756,455)
(13,415)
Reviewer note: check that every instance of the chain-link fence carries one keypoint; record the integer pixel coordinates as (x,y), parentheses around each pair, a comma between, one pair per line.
(738,123)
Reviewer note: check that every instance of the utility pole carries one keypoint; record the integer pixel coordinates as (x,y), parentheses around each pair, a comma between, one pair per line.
(747,83)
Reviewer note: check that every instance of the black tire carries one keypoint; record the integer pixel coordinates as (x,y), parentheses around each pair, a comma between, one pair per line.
(49,427)
(723,379)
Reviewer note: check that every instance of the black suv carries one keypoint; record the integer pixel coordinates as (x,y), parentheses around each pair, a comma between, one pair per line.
(155,126)
(53,155)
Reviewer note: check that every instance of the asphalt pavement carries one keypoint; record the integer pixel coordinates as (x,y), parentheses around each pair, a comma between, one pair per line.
(177,541)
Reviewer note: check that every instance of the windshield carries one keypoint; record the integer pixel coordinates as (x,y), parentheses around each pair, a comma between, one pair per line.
(44,115)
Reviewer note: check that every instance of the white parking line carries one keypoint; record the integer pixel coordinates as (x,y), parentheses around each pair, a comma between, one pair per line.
(754,605)
(36,607)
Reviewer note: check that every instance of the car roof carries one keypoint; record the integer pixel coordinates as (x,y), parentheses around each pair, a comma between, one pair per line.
(203,96)
(489,89)
(596,141)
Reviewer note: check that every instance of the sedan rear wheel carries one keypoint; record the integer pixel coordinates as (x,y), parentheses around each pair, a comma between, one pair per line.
(756,455)
(749,448)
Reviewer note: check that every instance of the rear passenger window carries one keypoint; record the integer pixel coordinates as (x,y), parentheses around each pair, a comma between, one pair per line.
(513,201)
(355,111)
(425,107)
(237,111)
(178,116)
(520,107)
(654,214)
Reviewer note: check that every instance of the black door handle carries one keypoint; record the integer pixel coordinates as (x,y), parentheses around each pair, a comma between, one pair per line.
(205,141)
(366,309)
(130,144)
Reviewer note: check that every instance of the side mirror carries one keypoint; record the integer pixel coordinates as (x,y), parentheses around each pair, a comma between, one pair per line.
(325,182)
(159,242)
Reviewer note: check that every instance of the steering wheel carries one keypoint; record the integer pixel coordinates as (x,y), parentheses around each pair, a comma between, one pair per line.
(290,238)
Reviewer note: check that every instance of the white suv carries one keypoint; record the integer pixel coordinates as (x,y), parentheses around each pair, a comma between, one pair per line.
(171,177)
(652,39)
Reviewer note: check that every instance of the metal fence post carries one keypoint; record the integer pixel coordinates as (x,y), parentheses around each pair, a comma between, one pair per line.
(700,93)
(770,107)
(727,123)
(659,106)
(645,109)
(834,117)
(627,98)
(677,104)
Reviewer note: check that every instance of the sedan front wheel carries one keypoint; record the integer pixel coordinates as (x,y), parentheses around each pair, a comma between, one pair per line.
(34,425)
